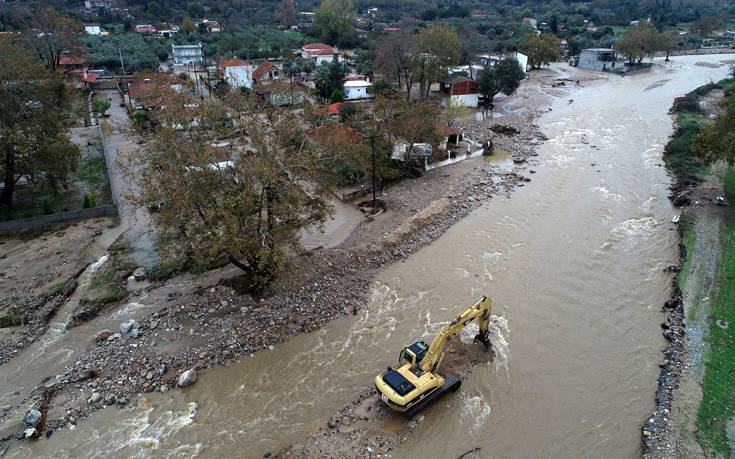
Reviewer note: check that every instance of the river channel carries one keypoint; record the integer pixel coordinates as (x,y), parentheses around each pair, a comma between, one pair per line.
(574,260)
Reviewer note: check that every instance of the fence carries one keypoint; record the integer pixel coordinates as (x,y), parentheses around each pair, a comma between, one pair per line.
(33,222)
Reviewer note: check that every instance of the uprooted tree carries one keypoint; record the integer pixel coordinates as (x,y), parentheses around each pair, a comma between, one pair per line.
(214,193)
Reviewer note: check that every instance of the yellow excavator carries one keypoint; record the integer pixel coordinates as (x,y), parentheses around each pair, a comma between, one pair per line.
(415,382)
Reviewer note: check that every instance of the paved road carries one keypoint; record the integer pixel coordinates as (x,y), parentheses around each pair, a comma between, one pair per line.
(117,145)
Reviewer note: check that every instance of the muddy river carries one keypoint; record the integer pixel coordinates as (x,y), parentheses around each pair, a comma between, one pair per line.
(574,261)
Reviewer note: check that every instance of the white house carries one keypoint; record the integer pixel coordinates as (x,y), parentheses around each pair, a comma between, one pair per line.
(237,73)
(188,54)
(92,29)
(357,89)
(319,53)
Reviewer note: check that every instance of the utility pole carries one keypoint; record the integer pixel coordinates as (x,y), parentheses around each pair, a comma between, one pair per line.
(372,149)
(122,64)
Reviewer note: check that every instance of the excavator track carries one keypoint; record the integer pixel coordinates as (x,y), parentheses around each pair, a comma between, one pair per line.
(451,384)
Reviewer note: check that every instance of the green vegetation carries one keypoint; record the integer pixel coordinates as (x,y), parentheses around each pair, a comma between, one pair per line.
(689,239)
(679,157)
(66,288)
(136,54)
(718,399)
(91,170)
(10,320)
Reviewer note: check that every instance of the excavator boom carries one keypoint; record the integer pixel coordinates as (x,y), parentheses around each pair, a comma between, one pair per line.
(415,381)
(479,311)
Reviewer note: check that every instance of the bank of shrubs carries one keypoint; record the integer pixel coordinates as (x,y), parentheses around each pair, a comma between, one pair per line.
(678,155)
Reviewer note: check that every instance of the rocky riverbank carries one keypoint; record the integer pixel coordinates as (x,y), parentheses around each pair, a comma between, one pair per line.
(214,325)
(670,430)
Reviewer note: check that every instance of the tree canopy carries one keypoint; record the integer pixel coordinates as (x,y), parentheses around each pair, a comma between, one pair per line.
(642,40)
(336,19)
(504,77)
(33,134)
(249,209)
(541,50)
(716,141)
(435,49)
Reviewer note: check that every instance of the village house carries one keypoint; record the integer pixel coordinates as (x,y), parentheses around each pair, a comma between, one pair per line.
(209,26)
(360,33)
(152,91)
(329,111)
(306,17)
(92,29)
(451,137)
(280,93)
(266,71)
(237,73)
(601,59)
(531,21)
(319,53)
(188,54)
(146,29)
(489,60)
(165,33)
(356,89)
(74,69)
(459,89)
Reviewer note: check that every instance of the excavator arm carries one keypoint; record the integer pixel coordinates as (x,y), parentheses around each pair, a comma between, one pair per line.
(479,311)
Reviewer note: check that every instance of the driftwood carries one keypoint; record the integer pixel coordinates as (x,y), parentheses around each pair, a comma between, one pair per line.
(470,451)
(48,396)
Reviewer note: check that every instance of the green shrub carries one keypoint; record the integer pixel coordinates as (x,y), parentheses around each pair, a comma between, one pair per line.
(46,207)
(337,96)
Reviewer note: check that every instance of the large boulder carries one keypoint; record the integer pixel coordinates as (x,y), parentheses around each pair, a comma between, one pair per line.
(187,378)
(32,417)
(102,335)
(125,327)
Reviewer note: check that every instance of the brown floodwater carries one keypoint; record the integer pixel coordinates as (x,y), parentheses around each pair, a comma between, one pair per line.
(574,262)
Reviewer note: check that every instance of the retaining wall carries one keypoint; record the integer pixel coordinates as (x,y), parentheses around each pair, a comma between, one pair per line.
(33,222)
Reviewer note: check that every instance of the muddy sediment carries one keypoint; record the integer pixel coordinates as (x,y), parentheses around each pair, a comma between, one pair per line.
(217,325)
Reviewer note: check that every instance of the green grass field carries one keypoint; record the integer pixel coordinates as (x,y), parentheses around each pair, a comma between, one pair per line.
(718,400)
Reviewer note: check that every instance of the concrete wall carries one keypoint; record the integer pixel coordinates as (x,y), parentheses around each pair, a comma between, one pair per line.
(469,100)
(239,76)
(101,211)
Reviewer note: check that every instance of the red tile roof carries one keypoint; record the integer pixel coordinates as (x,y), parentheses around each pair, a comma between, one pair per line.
(234,63)
(317,46)
(262,69)
(91,77)
(446,131)
(66,59)
(335,135)
(329,110)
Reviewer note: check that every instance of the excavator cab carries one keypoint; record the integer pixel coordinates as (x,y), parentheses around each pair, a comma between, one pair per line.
(414,353)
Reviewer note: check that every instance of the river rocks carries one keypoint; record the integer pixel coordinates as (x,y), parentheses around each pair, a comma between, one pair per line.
(187,378)
(125,327)
(161,370)
(32,417)
(164,388)
(134,333)
(113,337)
(102,335)
(140,274)
(504,130)
(144,403)
(96,397)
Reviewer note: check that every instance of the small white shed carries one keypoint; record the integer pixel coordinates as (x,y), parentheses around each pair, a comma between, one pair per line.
(357,89)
